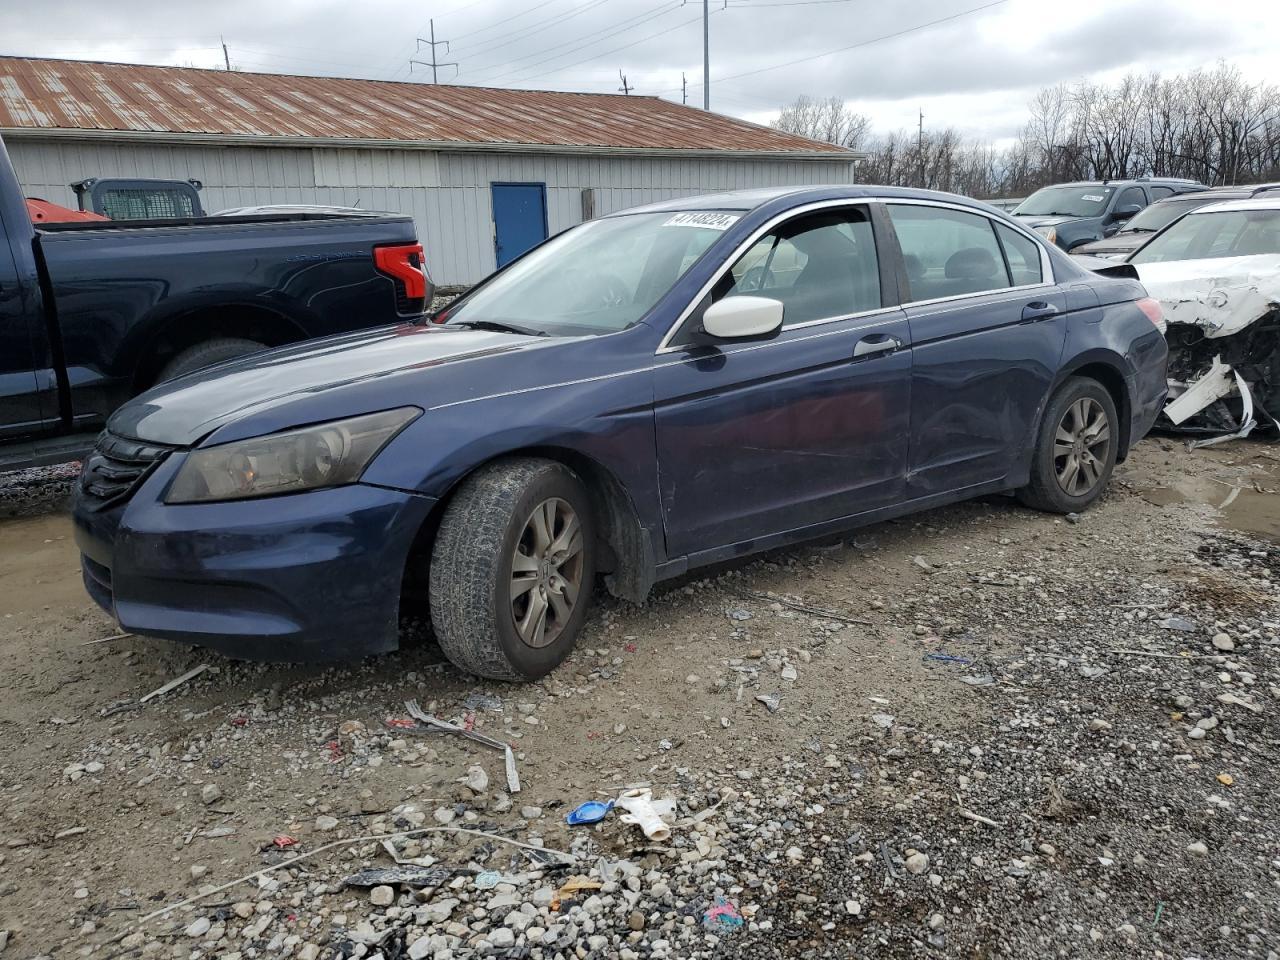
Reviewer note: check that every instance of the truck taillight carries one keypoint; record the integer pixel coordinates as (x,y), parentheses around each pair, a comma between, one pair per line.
(1155,313)
(406,264)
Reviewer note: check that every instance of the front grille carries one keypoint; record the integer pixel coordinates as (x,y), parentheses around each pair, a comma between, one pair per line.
(116,468)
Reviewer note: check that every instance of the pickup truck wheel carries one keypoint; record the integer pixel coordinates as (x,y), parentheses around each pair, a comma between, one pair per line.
(1075,450)
(207,354)
(512,569)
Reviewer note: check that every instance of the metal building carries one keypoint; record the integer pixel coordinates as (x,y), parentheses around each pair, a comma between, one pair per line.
(485,172)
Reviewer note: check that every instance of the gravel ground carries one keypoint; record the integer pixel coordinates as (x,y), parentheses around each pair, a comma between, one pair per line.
(979,732)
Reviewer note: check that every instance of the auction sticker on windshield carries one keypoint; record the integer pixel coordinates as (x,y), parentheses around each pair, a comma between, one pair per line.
(711,221)
(1093,198)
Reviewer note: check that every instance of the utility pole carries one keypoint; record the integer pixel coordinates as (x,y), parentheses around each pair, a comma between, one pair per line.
(624,88)
(433,63)
(706,54)
(226,57)
(684,89)
(920,147)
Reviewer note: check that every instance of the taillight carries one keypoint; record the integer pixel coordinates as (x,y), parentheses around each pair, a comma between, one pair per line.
(1155,313)
(406,264)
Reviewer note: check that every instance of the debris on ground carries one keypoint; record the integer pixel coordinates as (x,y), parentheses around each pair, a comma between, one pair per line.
(175,683)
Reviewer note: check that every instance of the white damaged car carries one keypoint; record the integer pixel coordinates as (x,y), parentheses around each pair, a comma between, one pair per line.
(1216,273)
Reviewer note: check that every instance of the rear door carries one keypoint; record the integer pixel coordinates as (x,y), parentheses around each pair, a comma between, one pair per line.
(759,438)
(987,328)
(20,394)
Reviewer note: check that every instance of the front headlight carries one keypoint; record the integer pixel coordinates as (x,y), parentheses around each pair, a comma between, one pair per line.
(1049,233)
(325,455)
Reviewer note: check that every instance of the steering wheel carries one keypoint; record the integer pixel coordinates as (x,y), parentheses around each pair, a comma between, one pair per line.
(597,290)
(754,279)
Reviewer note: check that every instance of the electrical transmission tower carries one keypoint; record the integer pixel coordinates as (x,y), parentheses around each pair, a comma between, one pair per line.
(433,63)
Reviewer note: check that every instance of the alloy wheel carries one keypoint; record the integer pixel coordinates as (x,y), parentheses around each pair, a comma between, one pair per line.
(1081,446)
(546,572)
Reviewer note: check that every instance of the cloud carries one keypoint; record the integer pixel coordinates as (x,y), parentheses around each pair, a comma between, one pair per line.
(975,73)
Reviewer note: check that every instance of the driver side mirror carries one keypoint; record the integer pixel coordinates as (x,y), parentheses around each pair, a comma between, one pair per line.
(1126,212)
(743,318)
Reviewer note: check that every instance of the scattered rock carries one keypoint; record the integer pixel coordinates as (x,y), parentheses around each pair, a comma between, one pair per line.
(917,863)
(210,793)
(198,927)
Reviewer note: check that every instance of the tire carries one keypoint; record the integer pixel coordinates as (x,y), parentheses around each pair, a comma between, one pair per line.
(475,590)
(1053,487)
(207,354)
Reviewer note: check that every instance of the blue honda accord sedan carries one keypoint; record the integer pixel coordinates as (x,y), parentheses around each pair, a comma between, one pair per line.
(641,395)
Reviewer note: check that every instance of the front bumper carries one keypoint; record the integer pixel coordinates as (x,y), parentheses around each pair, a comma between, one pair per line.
(308,576)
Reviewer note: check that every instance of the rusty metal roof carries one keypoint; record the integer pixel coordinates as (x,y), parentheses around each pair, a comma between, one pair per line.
(75,95)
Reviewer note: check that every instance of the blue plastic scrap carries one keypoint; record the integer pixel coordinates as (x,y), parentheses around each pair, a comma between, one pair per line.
(593,811)
(947,658)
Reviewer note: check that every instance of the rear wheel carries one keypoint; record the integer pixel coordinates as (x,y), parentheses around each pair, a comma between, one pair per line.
(512,569)
(1075,449)
(207,354)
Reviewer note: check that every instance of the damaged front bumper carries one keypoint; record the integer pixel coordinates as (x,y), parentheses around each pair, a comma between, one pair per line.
(1224,346)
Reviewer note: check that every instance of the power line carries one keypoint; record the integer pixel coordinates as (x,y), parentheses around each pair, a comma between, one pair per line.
(752,4)
(597,56)
(864,43)
(593,36)
(500,41)
(506,20)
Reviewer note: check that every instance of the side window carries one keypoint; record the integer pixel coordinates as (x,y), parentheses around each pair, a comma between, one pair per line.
(1129,197)
(1022,254)
(821,266)
(947,253)
(1159,193)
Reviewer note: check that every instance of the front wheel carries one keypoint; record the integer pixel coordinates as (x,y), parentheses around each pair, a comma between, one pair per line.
(512,569)
(1075,448)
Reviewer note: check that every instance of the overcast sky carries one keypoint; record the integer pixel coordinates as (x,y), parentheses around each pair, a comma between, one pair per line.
(975,71)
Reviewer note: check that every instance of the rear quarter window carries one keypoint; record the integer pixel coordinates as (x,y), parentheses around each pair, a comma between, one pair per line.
(1023,255)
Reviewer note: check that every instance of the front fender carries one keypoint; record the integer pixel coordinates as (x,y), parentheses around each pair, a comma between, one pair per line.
(607,421)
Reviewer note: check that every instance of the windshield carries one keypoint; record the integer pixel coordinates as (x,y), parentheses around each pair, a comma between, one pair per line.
(1159,215)
(600,277)
(1077,201)
(1210,236)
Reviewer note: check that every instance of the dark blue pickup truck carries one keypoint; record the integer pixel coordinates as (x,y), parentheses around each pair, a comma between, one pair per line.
(93,313)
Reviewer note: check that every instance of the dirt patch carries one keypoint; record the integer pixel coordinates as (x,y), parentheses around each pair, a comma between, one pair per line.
(1006,664)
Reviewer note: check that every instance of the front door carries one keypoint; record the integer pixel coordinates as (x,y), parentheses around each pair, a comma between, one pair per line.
(759,438)
(20,408)
(988,333)
(519,219)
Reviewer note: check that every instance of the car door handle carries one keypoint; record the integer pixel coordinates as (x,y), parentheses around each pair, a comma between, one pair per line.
(876,343)
(1038,310)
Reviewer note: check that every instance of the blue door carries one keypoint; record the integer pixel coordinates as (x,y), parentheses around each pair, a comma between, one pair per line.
(519,219)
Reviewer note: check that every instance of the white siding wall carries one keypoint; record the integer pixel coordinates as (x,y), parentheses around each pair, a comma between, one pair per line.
(448,194)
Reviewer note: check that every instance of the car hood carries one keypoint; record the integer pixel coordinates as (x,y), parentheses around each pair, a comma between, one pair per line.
(1222,295)
(1030,221)
(183,411)
(1120,244)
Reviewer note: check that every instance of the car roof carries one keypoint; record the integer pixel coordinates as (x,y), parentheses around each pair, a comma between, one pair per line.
(1228,206)
(1157,181)
(746,200)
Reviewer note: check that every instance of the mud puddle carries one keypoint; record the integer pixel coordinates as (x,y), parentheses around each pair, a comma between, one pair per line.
(1243,494)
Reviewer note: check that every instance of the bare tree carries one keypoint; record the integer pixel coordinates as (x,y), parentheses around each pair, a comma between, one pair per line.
(1211,125)
(828,120)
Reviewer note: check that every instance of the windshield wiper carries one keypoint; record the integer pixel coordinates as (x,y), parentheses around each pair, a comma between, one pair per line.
(500,327)
(1138,230)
